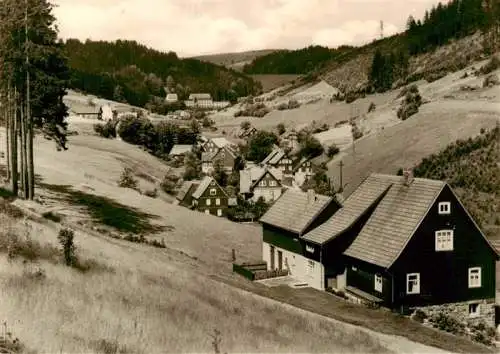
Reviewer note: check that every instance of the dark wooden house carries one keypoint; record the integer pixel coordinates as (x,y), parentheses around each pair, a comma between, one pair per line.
(210,198)
(410,243)
(293,215)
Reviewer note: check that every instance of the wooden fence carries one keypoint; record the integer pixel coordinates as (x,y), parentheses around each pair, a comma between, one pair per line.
(257,271)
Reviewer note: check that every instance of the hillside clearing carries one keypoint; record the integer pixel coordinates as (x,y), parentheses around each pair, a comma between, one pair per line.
(67,311)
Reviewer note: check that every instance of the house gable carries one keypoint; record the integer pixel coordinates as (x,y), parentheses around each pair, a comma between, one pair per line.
(267,180)
(444,273)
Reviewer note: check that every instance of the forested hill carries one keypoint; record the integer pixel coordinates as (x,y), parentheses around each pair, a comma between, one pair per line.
(443,22)
(299,61)
(129,72)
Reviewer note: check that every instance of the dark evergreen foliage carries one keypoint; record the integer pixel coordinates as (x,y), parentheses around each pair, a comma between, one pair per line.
(130,72)
(300,61)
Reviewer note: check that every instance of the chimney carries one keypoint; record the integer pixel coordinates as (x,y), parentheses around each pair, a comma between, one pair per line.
(311,197)
(408,176)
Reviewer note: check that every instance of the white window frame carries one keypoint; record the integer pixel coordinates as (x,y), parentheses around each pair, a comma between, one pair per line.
(378,283)
(416,287)
(213,191)
(217,201)
(219,212)
(474,277)
(309,249)
(272,184)
(444,208)
(444,240)
(207,211)
(310,266)
(262,183)
(207,202)
(477,311)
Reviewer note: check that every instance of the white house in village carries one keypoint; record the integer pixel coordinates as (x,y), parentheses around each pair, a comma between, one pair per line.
(292,216)
(171,98)
(302,171)
(256,182)
(107,112)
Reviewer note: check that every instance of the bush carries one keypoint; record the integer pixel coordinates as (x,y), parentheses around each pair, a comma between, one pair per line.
(447,323)
(207,122)
(410,104)
(372,107)
(66,239)
(169,183)
(332,150)
(152,193)
(52,216)
(253,110)
(491,80)
(492,65)
(356,132)
(311,147)
(127,179)
(281,128)
(107,130)
(419,316)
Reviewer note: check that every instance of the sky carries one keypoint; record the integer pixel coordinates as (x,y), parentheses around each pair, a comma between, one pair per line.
(196,27)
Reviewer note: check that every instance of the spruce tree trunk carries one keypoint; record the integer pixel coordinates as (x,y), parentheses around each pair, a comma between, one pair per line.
(13,146)
(21,147)
(7,133)
(24,161)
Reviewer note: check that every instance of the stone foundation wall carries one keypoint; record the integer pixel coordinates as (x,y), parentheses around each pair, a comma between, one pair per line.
(460,311)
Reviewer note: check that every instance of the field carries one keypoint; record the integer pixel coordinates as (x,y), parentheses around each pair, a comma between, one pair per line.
(270,82)
(234,60)
(140,299)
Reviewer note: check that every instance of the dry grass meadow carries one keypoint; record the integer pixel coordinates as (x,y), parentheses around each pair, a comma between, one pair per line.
(135,298)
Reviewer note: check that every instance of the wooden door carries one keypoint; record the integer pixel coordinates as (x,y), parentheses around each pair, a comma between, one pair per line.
(280,260)
(272,257)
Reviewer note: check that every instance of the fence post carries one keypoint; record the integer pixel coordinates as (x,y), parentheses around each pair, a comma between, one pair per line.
(233,255)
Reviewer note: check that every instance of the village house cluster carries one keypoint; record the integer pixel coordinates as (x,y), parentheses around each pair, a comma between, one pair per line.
(400,242)
(266,180)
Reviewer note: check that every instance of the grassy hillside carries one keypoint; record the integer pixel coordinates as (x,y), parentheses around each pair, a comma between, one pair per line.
(234,60)
(347,68)
(129,72)
(472,167)
(134,298)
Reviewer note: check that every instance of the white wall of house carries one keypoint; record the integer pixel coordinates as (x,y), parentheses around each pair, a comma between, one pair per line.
(300,177)
(269,194)
(300,267)
(207,167)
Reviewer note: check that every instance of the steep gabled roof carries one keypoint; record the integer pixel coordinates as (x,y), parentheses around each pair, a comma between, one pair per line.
(294,211)
(200,96)
(186,187)
(180,149)
(275,173)
(394,220)
(300,162)
(220,142)
(205,183)
(207,156)
(250,176)
(353,208)
(277,152)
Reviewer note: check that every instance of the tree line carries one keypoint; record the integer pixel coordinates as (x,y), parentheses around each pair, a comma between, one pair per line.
(129,72)
(33,79)
(454,20)
(301,61)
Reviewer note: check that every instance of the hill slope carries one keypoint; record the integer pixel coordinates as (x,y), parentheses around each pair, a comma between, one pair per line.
(139,299)
(234,60)
(348,68)
(472,167)
(129,72)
